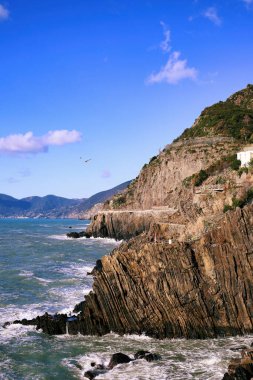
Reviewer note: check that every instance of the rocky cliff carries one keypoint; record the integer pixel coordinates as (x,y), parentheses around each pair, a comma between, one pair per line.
(201,284)
(192,179)
(167,194)
(195,290)
(198,289)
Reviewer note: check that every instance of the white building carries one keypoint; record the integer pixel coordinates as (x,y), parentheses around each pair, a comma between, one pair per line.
(245,155)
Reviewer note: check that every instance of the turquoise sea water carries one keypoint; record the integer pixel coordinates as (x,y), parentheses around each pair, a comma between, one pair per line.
(41,270)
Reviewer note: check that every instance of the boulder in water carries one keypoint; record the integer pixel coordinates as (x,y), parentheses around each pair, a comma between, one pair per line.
(77,235)
(147,355)
(118,358)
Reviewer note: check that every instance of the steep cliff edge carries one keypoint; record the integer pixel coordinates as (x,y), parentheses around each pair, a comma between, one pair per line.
(194,290)
(192,179)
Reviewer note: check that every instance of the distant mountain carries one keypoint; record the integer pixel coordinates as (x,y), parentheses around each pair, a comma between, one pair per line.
(102,196)
(52,206)
(10,205)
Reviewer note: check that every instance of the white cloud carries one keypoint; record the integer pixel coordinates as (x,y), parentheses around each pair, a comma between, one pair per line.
(212,15)
(165,44)
(4,13)
(61,137)
(174,71)
(28,143)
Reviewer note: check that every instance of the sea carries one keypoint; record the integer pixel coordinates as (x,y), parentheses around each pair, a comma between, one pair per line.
(41,270)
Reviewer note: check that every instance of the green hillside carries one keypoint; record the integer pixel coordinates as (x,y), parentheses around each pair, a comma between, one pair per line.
(232,118)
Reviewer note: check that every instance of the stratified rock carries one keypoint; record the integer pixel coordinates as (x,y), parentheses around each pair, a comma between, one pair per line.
(194,290)
(118,358)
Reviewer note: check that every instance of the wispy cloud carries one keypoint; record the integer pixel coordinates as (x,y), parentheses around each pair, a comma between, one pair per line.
(212,15)
(25,172)
(247,2)
(165,44)
(176,69)
(28,143)
(106,174)
(12,180)
(4,13)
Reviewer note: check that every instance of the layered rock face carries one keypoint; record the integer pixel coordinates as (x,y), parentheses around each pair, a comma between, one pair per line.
(194,290)
(159,194)
(124,224)
(166,182)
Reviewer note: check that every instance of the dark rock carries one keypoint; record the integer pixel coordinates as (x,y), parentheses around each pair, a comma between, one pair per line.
(238,348)
(118,358)
(147,356)
(6,324)
(50,324)
(242,374)
(90,374)
(98,369)
(77,235)
(227,377)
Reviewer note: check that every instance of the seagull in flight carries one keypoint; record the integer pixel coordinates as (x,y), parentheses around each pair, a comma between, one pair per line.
(85,161)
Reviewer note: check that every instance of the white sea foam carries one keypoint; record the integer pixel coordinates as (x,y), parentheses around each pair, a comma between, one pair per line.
(43,281)
(138,338)
(91,239)
(106,240)
(59,237)
(26,273)
(181,359)
(76,270)
(15,331)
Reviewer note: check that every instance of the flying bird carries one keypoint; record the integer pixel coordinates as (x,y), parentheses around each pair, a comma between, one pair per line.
(85,161)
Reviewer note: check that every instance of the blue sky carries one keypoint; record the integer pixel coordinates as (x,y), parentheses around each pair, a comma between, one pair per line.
(112,81)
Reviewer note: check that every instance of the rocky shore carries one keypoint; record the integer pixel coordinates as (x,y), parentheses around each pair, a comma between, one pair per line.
(196,290)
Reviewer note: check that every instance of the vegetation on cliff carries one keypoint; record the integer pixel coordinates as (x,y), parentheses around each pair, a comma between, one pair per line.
(233,118)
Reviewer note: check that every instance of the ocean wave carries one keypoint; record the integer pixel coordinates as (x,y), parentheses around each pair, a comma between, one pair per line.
(106,240)
(26,273)
(181,358)
(91,239)
(78,271)
(43,281)
(59,237)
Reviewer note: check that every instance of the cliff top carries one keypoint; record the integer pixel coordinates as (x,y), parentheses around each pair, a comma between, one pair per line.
(231,118)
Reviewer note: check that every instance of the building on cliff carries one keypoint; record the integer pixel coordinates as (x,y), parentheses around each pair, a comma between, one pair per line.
(246,155)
